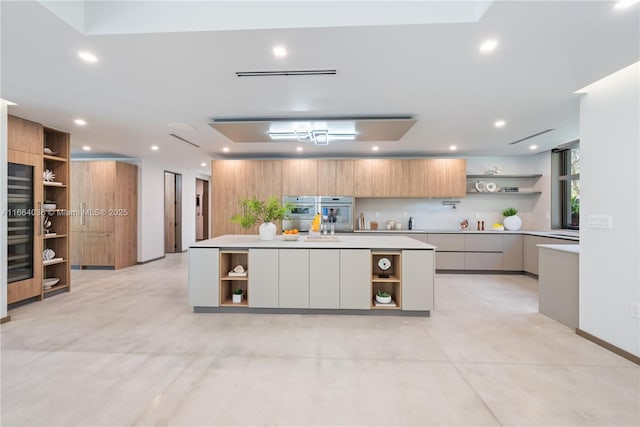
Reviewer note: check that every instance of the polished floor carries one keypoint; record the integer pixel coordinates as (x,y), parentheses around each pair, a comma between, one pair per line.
(124,349)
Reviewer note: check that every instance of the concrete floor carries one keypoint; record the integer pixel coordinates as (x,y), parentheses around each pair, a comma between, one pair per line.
(123,348)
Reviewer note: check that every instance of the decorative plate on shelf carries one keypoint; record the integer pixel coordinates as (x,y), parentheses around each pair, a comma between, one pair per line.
(48,175)
(491,187)
(384,264)
(47,283)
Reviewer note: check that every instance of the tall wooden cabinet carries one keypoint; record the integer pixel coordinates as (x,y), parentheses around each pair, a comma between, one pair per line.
(104,232)
(38,211)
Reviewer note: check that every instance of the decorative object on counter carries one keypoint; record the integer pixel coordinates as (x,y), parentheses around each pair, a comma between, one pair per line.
(266,212)
(390,224)
(497,170)
(410,223)
(237,296)
(512,222)
(482,225)
(48,254)
(464,225)
(373,225)
(361,223)
(238,271)
(291,235)
(383,297)
(49,205)
(48,175)
(48,151)
(497,227)
(398,225)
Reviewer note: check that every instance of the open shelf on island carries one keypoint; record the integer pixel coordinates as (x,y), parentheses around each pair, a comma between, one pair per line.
(389,266)
(228,260)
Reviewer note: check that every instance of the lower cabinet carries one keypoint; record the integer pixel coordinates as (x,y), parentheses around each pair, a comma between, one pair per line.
(293,285)
(512,252)
(324,278)
(203,277)
(355,279)
(459,251)
(530,250)
(417,287)
(263,278)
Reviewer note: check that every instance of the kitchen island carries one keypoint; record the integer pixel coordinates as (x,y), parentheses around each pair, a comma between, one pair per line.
(340,275)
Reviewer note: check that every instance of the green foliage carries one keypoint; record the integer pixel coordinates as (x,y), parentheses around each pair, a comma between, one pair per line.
(509,212)
(382,294)
(254,211)
(575,205)
(238,291)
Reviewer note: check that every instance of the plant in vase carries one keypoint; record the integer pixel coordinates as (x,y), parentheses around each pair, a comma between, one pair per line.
(383,297)
(260,211)
(512,222)
(237,295)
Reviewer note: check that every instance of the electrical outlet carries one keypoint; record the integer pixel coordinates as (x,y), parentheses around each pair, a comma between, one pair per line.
(635,310)
(600,221)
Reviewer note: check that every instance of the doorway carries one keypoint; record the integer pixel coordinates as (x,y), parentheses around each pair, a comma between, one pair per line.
(202,209)
(172,212)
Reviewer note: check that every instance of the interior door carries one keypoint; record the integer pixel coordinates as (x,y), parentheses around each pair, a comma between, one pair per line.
(169,212)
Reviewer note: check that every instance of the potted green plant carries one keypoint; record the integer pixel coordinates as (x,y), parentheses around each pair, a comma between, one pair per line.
(237,295)
(383,297)
(260,211)
(511,221)
(49,205)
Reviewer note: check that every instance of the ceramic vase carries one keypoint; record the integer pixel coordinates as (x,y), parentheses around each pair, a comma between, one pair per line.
(237,298)
(512,223)
(267,231)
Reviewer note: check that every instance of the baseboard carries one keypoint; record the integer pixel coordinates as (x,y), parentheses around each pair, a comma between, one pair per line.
(150,260)
(510,272)
(5,319)
(617,350)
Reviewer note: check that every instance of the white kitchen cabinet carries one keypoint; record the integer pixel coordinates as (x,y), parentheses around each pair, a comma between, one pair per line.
(447,242)
(324,278)
(355,279)
(263,278)
(417,287)
(483,243)
(483,261)
(530,250)
(203,277)
(449,260)
(293,285)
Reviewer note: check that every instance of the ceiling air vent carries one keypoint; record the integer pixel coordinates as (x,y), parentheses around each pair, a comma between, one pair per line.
(285,73)
(184,140)
(530,136)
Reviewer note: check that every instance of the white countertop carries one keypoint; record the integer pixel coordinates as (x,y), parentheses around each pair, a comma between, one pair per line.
(574,249)
(556,234)
(345,242)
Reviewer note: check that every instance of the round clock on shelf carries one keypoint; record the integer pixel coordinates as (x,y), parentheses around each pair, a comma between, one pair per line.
(384,264)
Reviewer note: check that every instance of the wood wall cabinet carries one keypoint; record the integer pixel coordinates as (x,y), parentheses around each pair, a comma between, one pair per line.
(104,232)
(445,177)
(36,227)
(299,177)
(336,177)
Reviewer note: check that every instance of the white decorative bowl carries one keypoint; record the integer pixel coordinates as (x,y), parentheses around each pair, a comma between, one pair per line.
(291,237)
(383,300)
(48,206)
(47,283)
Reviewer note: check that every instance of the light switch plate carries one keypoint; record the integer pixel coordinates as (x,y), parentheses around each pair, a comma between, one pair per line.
(600,221)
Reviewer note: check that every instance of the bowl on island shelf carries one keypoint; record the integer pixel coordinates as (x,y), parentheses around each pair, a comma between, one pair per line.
(291,235)
(383,297)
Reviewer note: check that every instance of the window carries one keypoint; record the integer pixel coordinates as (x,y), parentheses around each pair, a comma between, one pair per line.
(568,176)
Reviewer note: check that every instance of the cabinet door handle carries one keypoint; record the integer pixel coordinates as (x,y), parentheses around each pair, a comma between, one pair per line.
(41,218)
(82,213)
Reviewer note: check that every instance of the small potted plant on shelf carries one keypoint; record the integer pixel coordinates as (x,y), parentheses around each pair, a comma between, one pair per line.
(512,222)
(260,211)
(237,295)
(49,205)
(383,297)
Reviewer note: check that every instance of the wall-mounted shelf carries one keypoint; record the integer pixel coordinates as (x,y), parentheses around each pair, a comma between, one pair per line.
(505,193)
(505,176)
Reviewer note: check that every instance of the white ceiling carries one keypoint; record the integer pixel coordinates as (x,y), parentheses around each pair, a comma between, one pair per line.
(148,85)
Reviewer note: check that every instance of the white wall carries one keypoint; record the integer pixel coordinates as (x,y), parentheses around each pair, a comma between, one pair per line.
(3,204)
(432,214)
(151,207)
(610,185)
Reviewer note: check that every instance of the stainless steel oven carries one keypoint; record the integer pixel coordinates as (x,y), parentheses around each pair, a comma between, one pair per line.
(304,210)
(337,210)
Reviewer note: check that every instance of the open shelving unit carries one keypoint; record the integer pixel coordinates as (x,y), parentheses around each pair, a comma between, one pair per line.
(56,191)
(524,182)
(391,284)
(228,260)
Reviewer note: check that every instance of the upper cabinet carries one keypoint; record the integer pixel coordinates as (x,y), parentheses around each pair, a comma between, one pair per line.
(336,177)
(445,177)
(299,177)
(25,136)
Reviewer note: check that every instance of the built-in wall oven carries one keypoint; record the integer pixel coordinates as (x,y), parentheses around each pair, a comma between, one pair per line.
(337,210)
(304,210)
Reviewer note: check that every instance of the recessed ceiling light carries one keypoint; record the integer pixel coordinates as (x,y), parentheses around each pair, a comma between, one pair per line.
(533,147)
(298,148)
(155,147)
(225,149)
(375,148)
(499,123)
(87,56)
(279,51)
(625,4)
(86,148)
(203,164)
(488,45)
(453,147)
(80,122)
